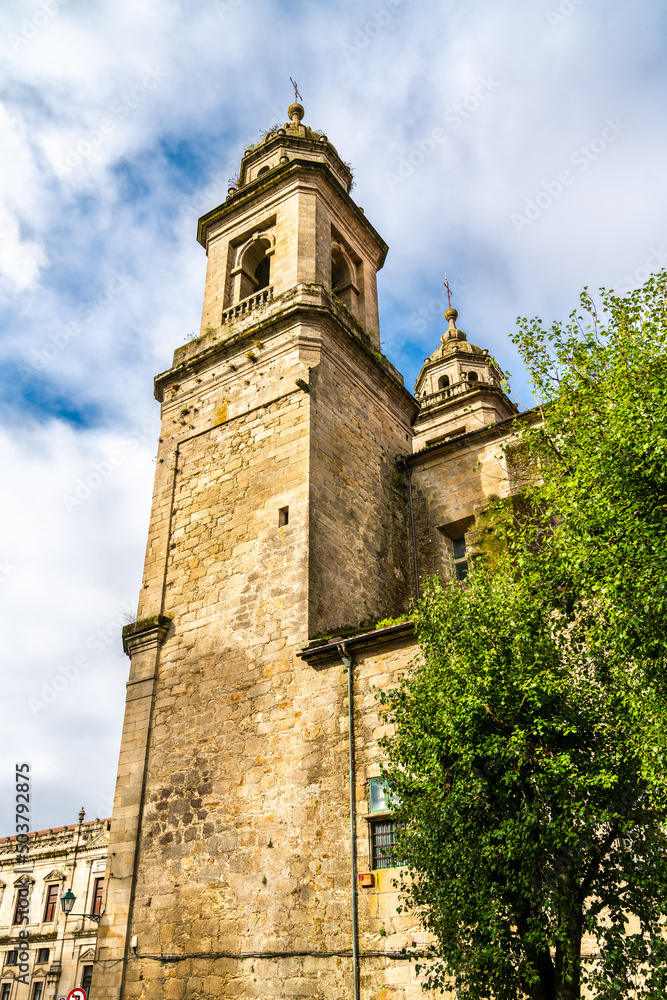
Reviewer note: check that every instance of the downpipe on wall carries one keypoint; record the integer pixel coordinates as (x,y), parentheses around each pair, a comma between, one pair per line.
(349,663)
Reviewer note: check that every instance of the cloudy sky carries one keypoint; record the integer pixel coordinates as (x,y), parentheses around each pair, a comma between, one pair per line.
(520,146)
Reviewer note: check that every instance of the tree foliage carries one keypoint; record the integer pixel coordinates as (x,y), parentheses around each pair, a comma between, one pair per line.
(529,755)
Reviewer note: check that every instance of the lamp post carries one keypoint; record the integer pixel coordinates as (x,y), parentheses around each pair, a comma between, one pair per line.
(67,901)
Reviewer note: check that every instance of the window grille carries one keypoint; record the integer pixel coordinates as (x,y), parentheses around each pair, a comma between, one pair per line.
(383,840)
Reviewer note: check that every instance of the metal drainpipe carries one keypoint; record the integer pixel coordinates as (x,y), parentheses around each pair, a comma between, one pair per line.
(349,663)
(408,472)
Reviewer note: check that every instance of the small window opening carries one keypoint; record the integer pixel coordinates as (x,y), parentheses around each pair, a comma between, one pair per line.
(473,377)
(87,978)
(22,905)
(378,795)
(37,991)
(283,517)
(6,990)
(51,903)
(262,171)
(97,897)
(42,956)
(460,560)
(443,382)
(263,273)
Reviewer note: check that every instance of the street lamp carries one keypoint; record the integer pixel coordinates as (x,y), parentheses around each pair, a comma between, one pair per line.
(67,901)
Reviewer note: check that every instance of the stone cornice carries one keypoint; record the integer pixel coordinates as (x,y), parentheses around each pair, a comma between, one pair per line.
(145,634)
(500,429)
(285,171)
(304,301)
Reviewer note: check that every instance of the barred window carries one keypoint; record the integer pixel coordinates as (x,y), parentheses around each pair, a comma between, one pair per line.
(383,843)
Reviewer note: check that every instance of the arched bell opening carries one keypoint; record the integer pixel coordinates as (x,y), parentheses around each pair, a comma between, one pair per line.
(263,273)
(343,278)
(254,270)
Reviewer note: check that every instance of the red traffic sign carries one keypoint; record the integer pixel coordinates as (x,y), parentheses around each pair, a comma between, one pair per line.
(78,993)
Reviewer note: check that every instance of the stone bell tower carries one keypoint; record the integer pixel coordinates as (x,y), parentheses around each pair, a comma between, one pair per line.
(278,516)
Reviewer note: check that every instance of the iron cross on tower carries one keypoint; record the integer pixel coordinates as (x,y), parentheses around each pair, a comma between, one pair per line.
(297,95)
(449,293)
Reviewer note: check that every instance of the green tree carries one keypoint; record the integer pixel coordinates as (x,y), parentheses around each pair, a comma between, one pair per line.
(529,755)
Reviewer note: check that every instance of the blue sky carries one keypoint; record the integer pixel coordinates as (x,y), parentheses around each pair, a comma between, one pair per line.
(520,147)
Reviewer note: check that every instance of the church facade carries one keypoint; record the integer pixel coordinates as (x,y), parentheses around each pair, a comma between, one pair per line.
(301,495)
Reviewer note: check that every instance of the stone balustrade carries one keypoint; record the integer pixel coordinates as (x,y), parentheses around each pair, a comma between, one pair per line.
(246,305)
(456,389)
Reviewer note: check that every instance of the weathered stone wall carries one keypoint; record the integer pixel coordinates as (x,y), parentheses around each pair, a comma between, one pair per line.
(452,483)
(359,567)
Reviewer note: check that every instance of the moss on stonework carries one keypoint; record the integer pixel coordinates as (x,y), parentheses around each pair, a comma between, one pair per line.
(145,624)
(388,622)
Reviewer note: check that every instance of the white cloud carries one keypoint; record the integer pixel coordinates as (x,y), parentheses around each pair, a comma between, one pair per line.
(21,257)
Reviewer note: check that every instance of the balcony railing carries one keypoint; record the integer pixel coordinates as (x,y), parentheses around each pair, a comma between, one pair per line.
(442,395)
(456,389)
(247,305)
